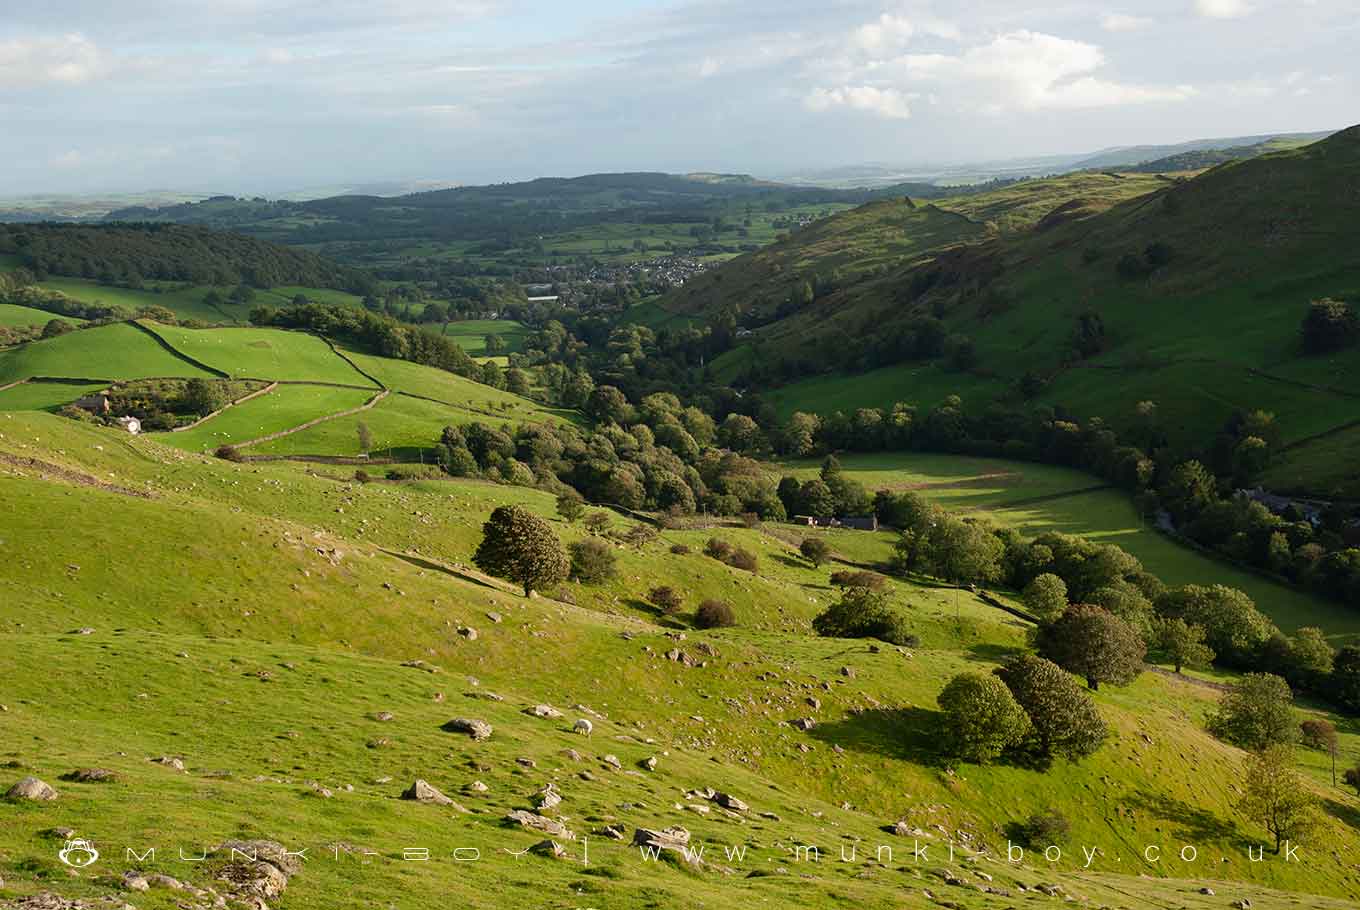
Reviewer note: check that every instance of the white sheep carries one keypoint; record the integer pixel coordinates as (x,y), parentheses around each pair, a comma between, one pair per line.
(583,726)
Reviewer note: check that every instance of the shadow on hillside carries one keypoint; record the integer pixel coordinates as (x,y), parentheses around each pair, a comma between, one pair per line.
(1186,821)
(1343,813)
(993,653)
(791,562)
(911,734)
(661,619)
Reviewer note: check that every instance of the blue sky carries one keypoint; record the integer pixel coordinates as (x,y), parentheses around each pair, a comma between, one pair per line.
(270,95)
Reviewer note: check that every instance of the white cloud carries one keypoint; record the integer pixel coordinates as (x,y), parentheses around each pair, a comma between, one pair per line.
(1030,71)
(1123,22)
(1222,9)
(69,59)
(885,102)
(888,33)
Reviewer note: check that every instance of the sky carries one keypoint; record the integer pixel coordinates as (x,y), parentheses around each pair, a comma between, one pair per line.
(268,96)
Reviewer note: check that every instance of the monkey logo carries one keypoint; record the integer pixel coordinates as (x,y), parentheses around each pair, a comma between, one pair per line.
(78,853)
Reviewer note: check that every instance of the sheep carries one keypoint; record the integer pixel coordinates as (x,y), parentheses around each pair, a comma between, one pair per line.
(583,726)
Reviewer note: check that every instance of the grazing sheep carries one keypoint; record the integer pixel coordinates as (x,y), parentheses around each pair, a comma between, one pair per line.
(583,727)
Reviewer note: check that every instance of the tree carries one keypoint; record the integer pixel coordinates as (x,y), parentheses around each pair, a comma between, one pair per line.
(863,613)
(200,396)
(1330,325)
(607,404)
(593,561)
(1274,795)
(666,599)
(55,327)
(1232,625)
(597,522)
(741,434)
(365,437)
(520,546)
(570,506)
(859,578)
(493,344)
(1063,718)
(1046,596)
(714,614)
(1189,490)
(1092,642)
(1318,733)
(1181,644)
(815,550)
(815,499)
(981,717)
(517,382)
(1256,713)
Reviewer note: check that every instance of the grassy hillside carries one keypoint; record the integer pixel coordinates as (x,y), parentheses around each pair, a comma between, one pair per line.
(251,620)
(286,407)
(116,351)
(1211,328)
(1036,498)
(263,354)
(15,316)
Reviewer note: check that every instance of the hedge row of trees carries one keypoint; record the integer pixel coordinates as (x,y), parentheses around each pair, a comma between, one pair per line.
(130,254)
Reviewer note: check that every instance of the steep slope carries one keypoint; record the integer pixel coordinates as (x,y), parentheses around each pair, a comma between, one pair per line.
(256,623)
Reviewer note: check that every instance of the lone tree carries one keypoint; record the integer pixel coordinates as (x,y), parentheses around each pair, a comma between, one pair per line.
(597,522)
(1181,644)
(1046,596)
(815,550)
(593,561)
(981,717)
(520,546)
(571,506)
(1330,325)
(1256,713)
(863,613)
(1092,642)
(365,437)
(666,599)
(1320,734)
(1274,795)
(1064,720)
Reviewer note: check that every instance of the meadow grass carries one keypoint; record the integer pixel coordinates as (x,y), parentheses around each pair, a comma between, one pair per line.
(184,302)
(15,316)
(263,354)
(401,426)
(44,396)
(470,334)
(1036,498)
(117,351)
(265,624)
(286,407)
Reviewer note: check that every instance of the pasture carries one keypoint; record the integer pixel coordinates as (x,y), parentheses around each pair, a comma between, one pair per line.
(286,407)
(117,351)
(262,354)
(13,316)
(1036,498)
(45,396)
(470,334)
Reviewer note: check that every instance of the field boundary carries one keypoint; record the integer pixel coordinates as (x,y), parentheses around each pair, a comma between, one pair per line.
(341,354)
(8,386)
(176,352)
(230,404)
(311,423)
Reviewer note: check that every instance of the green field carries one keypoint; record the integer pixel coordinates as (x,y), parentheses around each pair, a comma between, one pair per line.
(470,334)
(1326,465)
(286,407)
(116,351)
(403,427)
(1035,498)
(452,389)
(263,354)
(185,303)
(266,626)
(18,316)
(44,396)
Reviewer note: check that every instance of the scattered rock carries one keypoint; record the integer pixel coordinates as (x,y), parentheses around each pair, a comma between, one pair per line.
(91,776)
(848,672)
(169,761)
(549,848)
(728,801)
(535,822)
(547,711)
(548,799)
(804,723)
(649,764)
(384,716)
(30,788)
(673,840)
(422,792)
(494,616)
(135,881)
(479,730)
(477,787)
(468,632)
(613,762)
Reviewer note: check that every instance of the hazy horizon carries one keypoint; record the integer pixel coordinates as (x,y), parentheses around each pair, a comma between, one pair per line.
(254,98)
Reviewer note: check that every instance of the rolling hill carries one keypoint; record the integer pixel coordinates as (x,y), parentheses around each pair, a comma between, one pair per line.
(1210,329)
